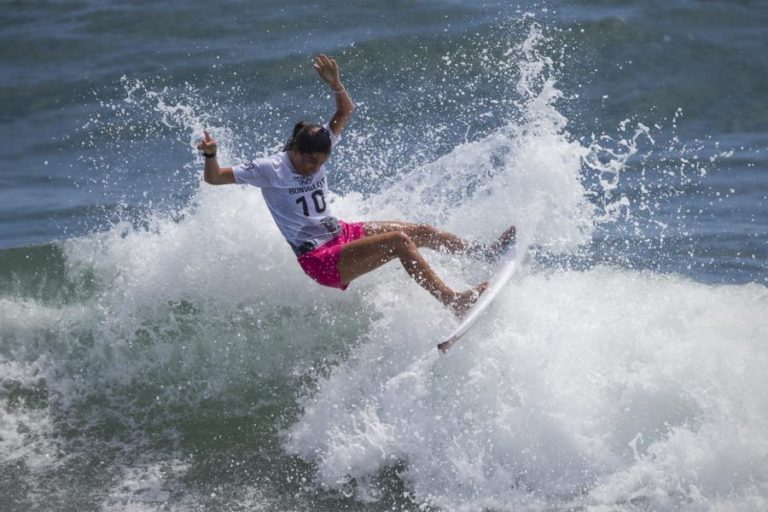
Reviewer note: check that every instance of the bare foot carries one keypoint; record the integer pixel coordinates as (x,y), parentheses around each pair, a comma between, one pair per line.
(491,252)
(463,301)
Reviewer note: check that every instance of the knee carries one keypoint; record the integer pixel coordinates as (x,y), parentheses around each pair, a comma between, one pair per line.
(402,241)
(423,230)
(421,234)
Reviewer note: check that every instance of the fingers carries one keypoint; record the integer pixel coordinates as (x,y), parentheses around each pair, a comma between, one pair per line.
(322,61)
(206,142)
(326,67)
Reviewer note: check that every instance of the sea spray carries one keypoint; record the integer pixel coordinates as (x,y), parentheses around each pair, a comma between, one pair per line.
(562,398)
(157,368)
(597,389)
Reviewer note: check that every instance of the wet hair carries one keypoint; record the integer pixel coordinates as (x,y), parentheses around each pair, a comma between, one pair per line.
(309,138)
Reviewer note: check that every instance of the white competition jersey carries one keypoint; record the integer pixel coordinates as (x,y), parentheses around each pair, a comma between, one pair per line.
(297,203)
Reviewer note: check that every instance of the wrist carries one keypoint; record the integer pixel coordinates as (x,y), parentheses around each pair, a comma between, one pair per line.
(208,155)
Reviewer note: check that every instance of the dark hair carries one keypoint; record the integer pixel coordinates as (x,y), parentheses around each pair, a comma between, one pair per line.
(309,138)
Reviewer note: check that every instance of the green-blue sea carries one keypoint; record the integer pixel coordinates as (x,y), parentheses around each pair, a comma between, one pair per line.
(161,350)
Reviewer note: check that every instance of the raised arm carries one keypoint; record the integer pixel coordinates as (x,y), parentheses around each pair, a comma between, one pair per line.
(214,174)
(329,71)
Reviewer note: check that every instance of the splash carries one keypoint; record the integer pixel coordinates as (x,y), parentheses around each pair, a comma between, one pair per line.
(590,411)
(598,389)
(587,390)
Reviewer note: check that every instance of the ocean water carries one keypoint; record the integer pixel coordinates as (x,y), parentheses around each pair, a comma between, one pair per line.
(160,350)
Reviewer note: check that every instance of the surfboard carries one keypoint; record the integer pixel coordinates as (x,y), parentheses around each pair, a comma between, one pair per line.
(506,267)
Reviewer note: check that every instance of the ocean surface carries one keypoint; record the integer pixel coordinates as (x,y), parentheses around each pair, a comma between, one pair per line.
(160,350)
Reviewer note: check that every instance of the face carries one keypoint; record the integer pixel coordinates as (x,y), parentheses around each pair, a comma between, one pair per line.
(307,163)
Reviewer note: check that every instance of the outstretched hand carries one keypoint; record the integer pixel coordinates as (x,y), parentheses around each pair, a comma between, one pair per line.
(328,70)
(207,145)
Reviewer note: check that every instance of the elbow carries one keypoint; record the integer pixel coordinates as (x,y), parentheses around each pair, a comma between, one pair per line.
(345,113)
(346,110)
(223,176)
(211,180)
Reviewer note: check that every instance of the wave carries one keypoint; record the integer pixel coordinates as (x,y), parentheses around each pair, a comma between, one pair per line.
(606,387)
(603,388)
(595,389)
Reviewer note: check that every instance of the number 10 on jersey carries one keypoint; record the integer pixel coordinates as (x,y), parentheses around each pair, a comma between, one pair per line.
(318,200)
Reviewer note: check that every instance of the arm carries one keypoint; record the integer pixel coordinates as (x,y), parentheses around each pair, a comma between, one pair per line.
(329,71)
(212,173)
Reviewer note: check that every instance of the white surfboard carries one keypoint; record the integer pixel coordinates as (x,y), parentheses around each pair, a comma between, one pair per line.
(506,267)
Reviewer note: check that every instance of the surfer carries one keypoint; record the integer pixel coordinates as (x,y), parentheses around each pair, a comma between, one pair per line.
(331,251)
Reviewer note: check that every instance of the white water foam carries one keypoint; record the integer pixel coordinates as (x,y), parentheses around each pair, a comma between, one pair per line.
(603,390)
(598,389)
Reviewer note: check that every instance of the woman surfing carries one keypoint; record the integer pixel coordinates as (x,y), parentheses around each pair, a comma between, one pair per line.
(331,251)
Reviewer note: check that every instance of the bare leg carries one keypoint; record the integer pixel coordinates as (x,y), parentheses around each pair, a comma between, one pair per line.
(364,255)
(424,235)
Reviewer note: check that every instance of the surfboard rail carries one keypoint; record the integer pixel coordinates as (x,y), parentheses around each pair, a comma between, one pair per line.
(506,268)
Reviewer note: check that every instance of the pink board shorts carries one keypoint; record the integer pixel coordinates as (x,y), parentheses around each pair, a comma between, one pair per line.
(322,263)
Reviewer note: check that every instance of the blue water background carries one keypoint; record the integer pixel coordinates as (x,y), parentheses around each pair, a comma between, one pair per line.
(642,61)
(120,392)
